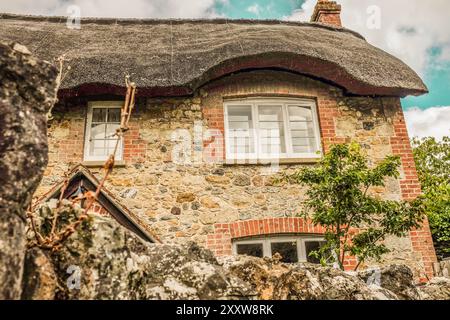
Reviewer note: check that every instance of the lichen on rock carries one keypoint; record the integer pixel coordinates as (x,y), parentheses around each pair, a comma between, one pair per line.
(114,263)
(27,92)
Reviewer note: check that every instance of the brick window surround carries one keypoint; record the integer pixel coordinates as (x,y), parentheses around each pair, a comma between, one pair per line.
(71,148)
(220,242)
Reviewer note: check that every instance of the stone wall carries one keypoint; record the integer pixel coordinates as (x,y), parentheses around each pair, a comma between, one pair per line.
(201,200)
(139,270)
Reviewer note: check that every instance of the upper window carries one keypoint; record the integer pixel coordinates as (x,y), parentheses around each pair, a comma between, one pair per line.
(103,119)
(271,129)
(291,249)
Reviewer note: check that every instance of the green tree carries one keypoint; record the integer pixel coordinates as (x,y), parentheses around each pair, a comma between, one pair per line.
(339,199)
(433,167)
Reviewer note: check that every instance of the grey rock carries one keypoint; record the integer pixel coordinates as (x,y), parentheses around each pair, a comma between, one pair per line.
(40,280)
(195,205)
(435,289)
(129,193)
(27,92)
(175,211)
(275,280)
(241,180)
(218,172)
(216,191)
(396,278)
(116,264)
(164,217)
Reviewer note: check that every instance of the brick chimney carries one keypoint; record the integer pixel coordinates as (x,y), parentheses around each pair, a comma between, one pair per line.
(327,12)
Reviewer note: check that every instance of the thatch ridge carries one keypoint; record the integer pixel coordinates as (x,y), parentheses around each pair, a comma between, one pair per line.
(156,21)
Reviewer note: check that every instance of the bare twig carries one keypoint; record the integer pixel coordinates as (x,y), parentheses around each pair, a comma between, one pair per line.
(59,79)
(54,240)
(38,236)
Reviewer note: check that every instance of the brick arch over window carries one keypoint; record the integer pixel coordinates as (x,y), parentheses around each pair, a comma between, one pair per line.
(220,242)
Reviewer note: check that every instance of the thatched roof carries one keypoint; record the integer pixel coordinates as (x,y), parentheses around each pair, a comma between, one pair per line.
(175,57)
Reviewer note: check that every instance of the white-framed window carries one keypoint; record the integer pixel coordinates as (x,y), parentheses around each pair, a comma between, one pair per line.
(266,128)
(103,119)
(292,249)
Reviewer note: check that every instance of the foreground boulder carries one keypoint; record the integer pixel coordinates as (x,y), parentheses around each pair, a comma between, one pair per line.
(398,279)
(278,281)
(435,289)
(27,91)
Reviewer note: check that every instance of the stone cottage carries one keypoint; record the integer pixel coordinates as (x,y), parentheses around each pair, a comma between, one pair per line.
(223,106)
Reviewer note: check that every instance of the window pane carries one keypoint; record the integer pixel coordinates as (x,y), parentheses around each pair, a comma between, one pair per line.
(98,131)
(110,145)
(240,133)
(240,126)
(98,115)
(114,115)
(272,142)
(271,130)
(311,246)
(299,125)
(97,147)
(254,249)
(297,113)
(99,152)
(302,130)
(304,145)
(287,250)
(111,129)
(98,144)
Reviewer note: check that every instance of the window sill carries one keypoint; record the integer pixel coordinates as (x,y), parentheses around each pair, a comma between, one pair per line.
(96,164)
(269,162)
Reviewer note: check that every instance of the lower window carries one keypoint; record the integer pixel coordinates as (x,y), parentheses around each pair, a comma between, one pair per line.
(292,249)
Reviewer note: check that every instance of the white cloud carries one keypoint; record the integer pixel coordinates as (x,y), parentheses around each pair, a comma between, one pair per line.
(409,28)
(432,122)
(119,9)
(254,8)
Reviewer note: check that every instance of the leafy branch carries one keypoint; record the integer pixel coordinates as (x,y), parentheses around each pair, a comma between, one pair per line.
(339,199)
(432,160)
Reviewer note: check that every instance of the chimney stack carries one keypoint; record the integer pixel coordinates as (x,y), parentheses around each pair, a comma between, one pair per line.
(327,12)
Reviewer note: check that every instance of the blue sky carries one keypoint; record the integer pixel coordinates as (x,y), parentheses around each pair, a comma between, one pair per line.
(260,9)
(438,81)
(416,31)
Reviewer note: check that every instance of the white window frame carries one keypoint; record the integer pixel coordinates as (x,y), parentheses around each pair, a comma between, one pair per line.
(267,240)
(285,103)
(87,137)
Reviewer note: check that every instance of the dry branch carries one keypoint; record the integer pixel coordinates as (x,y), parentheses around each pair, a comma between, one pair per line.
(55,238)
